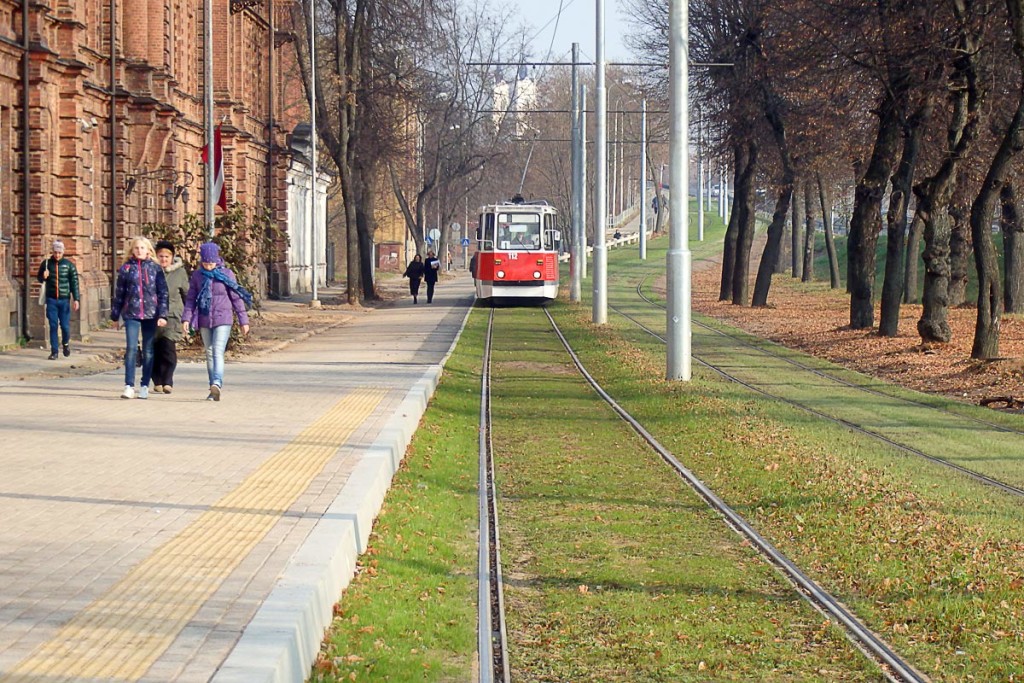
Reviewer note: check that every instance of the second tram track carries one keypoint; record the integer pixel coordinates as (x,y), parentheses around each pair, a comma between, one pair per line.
(977,476)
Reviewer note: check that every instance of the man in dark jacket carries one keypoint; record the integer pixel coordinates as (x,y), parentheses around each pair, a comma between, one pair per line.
(60,280)
(431,268)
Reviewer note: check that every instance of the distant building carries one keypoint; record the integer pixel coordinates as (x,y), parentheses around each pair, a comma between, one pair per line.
(110,152)
(512,101)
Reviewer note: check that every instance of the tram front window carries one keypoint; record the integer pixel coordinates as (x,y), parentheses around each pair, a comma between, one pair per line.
(519,232)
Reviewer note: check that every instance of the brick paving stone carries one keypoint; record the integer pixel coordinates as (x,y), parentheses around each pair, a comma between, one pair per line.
(92,485)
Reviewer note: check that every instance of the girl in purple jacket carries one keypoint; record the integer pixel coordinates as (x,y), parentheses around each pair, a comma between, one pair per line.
(140,300)
(214,299)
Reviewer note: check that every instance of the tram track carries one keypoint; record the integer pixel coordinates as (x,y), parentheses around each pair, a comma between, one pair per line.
(832,378)
(893,665)
(994,482)
(491,633)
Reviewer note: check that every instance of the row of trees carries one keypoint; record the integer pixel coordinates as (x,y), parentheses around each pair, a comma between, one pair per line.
(918,103)
(404,92)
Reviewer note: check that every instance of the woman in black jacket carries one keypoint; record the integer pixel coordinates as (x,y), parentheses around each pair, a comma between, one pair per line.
(415,273)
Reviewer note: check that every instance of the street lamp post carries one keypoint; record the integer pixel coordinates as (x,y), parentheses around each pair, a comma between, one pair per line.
(312,146)
(643,180)
(678,258)
(600,312)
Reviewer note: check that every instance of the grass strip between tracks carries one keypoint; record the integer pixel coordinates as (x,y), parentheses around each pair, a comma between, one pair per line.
(614,569)
(932,561)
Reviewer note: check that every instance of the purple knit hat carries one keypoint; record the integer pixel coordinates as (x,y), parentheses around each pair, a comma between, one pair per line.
(209,252)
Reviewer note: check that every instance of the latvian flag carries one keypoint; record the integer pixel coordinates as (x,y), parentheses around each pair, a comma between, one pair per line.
(218,170)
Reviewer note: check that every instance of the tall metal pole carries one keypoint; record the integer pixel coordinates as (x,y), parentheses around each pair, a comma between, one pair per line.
(208,170)
(700,181)
(312,146)
(613,153)
(600,316)
(583,183)
(678,259)
(643,180)
(575,283)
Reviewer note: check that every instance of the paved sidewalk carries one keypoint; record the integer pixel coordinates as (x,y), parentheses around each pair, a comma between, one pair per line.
(176,539)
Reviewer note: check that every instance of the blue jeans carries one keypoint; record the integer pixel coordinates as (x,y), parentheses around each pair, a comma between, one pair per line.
(131,334)
(58,312)
(216,341)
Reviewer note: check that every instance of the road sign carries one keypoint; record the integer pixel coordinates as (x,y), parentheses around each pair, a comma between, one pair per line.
(456,227)
(430,240)
(465,241)
(434,235)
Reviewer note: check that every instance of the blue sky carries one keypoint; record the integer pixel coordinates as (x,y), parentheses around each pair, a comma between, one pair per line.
(575,25)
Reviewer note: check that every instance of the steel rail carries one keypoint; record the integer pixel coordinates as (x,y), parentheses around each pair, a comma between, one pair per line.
(977,476)
(838,380)
(865,638)
(491,635)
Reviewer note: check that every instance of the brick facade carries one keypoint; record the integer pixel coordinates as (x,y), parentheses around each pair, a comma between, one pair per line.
(157,133)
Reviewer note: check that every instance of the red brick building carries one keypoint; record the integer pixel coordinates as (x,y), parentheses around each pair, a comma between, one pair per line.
(146,99)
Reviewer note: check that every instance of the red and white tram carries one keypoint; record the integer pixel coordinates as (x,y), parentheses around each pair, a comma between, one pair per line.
(517,251)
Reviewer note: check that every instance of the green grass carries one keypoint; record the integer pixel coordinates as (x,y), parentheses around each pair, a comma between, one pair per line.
(615,570)
(410,613)
(933,561)
(616,573)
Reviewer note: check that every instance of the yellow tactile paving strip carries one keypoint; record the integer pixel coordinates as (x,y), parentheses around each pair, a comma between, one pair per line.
(121,634)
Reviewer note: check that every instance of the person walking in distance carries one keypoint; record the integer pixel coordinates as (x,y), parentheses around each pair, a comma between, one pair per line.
(165,350)
(60,282)
(214,300)
(140,301)
(431,268)
(415,273)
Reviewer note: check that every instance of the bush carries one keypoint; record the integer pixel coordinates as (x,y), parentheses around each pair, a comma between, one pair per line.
(245,245)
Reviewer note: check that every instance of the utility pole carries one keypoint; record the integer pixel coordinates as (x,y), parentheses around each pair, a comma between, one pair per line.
(575,283)
(678,259)
(583,183)
(643,180)
(700,180)
(315,303)
(208,169)
(600,313)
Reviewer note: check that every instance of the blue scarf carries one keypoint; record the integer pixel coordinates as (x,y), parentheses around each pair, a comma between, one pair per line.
(206,291)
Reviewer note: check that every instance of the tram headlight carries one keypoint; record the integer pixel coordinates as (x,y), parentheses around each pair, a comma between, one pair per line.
(500,273)
(536,275)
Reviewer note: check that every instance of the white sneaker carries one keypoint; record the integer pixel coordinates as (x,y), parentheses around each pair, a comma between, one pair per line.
(144,392)
(129,391)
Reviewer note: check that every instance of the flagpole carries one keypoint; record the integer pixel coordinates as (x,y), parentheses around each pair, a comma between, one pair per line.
(312,145)
(211,157)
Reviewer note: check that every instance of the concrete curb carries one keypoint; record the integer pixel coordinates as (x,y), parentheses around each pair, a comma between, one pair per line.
(282,641)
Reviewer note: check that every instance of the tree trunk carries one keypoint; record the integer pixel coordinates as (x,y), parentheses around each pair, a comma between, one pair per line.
(990,301)
(809,232)
(731,235)
(772,246)
(896,219)
(366,227)
(798,230)
(934,325)
(782,263)
(825,198)
(743,203)
(934,194)
(1013,250)
(912,260)
(959,255)
(866,223)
